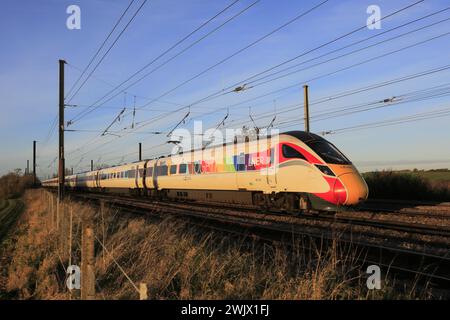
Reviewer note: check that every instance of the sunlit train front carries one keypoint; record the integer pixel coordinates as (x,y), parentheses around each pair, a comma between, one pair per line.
(293,171)
(339,184)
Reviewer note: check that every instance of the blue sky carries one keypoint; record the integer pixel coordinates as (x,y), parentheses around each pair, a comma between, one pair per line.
(34,36)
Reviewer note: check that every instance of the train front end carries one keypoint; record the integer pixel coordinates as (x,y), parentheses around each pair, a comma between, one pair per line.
(344,185)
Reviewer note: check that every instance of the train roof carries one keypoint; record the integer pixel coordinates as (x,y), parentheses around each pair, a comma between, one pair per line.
(304,136)
(301,135)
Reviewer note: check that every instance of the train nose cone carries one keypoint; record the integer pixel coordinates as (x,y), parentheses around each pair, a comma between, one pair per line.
(355,186)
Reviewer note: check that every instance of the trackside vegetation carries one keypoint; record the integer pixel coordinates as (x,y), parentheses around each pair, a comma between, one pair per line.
(408,185)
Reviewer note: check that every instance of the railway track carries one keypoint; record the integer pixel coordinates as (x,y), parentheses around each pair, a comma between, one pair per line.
(232,210)
(437,210)
(273,226)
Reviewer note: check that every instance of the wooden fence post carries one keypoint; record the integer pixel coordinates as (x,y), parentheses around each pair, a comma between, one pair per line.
(87,261)
(143,291)
(102,213)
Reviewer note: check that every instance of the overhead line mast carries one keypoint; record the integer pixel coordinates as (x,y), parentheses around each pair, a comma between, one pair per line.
(61,165)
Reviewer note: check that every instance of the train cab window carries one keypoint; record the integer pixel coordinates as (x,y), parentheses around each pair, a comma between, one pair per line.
(289,152)
(183,168)
(328,152)
(173,169)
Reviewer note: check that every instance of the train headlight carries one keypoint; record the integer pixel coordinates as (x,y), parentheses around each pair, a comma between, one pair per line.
(325,170)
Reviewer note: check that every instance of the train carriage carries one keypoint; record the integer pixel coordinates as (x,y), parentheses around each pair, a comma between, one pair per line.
(292,171)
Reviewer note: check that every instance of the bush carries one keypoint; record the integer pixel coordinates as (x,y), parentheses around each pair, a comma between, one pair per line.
(12,185)
(404,185)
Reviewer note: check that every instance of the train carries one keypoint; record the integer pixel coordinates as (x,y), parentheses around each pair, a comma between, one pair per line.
(293,171)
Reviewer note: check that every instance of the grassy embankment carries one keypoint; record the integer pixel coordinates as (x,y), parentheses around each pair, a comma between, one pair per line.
(178,261)
(12,187)
(431,185)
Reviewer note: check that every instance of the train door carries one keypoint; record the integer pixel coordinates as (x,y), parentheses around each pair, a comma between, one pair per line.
(240,152)
(144,175)
(272,165)
(97,182)
(155,174)
(136,177)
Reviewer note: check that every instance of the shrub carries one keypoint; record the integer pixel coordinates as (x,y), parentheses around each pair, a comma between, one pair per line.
(12,185)
(404,185)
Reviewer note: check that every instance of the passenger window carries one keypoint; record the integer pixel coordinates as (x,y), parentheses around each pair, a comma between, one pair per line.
(197,168)
(182,168)
(150,172)
(241,162)
(162,170)
(173,169)
(290,153)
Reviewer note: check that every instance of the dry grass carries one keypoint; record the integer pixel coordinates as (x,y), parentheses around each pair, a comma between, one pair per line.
(178,261)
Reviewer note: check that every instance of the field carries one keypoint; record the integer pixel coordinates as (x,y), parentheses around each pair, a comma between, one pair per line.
(434,176)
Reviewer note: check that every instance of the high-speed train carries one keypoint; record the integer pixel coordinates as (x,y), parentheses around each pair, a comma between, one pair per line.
(292,171)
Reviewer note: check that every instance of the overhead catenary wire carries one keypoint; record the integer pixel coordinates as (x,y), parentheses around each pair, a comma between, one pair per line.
(167,61)
(418,95)
(346,93)
(95,106)
(343,55)
(299,16)
(108,83)
(414,96)
(253,43)
(411,118)
(99,49)
(232,87)
(343,94)
(346,68)
(108,50)
(389,15)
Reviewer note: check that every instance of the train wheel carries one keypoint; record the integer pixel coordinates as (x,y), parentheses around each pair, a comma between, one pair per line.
(290,204)
(260,200)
